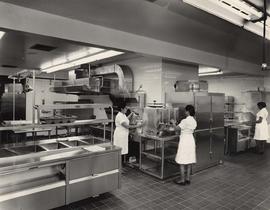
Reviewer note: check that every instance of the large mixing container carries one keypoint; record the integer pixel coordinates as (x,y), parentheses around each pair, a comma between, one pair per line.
(156,118)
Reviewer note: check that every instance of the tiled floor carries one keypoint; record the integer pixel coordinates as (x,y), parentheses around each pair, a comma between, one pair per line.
(243,182)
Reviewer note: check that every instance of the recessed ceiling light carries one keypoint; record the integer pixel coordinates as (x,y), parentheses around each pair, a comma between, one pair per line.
(2,33)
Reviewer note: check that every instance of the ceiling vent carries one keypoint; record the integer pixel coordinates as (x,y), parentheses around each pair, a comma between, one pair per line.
(9,66)
(43,47)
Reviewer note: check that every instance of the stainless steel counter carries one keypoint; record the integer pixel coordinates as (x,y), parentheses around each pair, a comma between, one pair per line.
(59,172)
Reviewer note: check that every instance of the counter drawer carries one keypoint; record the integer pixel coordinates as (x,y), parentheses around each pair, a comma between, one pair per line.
(42,200)
(80,167)
(93,186)
(105,162)
(96,164)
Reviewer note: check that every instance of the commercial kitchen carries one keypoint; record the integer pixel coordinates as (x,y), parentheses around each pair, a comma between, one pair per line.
(65,68)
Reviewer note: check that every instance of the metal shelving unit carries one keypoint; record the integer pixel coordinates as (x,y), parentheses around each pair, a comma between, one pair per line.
(157,155)
(76,123)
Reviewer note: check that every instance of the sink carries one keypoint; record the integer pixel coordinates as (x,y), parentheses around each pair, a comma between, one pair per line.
(27,149)
(53,146)
(94,141)
(75,143)
(6,153)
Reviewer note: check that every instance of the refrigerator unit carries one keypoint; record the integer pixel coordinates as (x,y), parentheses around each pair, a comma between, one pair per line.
(209,134)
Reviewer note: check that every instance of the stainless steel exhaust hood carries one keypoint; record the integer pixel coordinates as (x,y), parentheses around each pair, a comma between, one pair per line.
(113,79)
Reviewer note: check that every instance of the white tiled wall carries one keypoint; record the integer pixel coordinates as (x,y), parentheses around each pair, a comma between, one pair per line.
(234,86)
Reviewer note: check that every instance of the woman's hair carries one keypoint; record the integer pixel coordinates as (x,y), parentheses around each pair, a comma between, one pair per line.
(261,105)
(122,105)
(190,109)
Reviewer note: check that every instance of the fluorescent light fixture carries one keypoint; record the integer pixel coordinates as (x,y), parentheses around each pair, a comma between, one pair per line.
(87,59)
(2,33)
(207,70)
(213,7)
(234,11)
(210,73)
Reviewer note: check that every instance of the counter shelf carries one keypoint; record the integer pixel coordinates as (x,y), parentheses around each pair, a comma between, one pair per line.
(76,123)
(34,128)
(157,155)
(57,177)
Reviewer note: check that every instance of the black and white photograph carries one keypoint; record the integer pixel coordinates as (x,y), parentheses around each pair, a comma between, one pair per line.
(134,104)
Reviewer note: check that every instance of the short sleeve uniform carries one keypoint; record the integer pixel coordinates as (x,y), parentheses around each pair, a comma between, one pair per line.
(120,137)
(186,153)
(261,129)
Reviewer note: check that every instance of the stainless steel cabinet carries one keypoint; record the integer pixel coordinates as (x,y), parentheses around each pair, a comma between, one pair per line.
(50,179)
(90,176)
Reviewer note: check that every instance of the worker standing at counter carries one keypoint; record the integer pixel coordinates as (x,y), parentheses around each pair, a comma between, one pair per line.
(261,128)
(120,137)
(186,153)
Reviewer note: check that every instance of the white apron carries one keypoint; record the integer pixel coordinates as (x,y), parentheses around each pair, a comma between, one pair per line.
(261,129)
(120,136)
(186,153)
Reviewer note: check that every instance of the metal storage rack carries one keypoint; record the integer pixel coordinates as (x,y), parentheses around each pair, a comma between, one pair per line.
(157,155)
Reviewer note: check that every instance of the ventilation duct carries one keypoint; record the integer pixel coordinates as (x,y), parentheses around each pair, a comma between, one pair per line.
(113,79)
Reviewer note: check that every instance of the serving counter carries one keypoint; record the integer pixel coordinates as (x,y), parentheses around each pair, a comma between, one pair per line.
(53,173)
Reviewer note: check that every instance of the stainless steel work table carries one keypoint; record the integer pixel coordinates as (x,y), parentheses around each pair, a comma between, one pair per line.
(49,179)
(47,157)
(157,155)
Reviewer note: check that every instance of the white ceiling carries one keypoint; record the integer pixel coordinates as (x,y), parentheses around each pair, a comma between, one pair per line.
(167,20)
(15,49)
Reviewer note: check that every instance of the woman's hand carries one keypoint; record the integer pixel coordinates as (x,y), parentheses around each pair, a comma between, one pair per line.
(173,122)
(259,120)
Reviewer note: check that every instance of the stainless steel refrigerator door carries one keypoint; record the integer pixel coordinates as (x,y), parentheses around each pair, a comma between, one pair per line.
(203,111)
(217,110)
(202,139)
(217,145)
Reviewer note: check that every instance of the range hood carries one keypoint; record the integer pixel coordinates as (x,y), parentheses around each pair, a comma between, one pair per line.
(113,79)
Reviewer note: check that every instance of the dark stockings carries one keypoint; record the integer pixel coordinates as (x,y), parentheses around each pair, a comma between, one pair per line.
(185,172)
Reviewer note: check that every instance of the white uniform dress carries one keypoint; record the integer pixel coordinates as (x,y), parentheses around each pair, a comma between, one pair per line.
(120,136)
(186,153)
(261,129)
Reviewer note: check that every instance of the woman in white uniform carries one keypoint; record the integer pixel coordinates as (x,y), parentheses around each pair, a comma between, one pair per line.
(261,128)
(120,137)
(186,153)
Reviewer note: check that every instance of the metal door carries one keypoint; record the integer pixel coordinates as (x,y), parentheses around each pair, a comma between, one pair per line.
(203,111)
(217,145)
(202,139)
(217,110)
(217,142)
